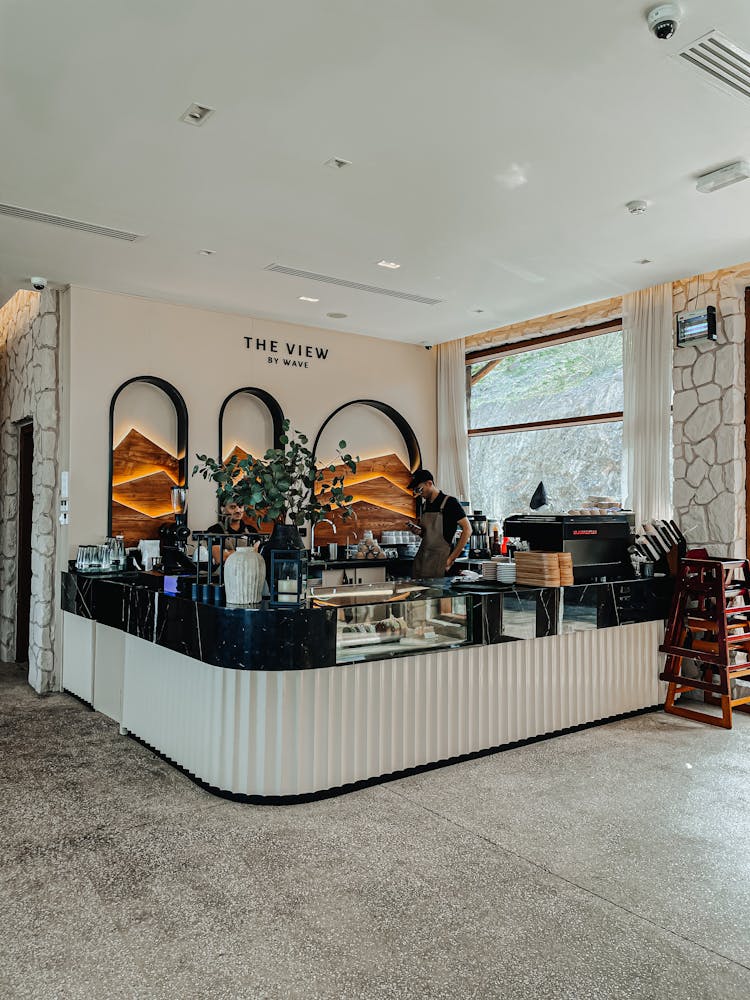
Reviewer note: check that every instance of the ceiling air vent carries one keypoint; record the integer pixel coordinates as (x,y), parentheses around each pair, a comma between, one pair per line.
(720,62)
(57,220)
(293,272)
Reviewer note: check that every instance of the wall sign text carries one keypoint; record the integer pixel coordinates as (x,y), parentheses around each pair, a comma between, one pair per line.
(285,353)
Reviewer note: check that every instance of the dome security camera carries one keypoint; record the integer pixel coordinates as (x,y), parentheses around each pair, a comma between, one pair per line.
(664,20)
(38,284)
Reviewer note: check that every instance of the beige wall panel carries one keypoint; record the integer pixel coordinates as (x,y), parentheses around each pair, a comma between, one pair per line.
(205,356)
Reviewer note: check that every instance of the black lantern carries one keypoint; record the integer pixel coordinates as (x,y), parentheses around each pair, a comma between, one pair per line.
(288,583)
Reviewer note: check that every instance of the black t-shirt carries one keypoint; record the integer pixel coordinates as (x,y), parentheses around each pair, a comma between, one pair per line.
(219,529)
(453,512)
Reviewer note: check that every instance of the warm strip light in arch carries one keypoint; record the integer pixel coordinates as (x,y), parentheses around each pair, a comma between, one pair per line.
(144,475)
(369,476)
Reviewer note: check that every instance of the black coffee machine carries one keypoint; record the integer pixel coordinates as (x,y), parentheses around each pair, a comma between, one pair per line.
(173,536)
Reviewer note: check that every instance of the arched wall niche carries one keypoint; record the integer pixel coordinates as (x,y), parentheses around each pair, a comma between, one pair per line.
(148,440)
(250,420)
(389,455)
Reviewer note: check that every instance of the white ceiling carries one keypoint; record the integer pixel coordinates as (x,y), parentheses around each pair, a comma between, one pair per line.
(439,106)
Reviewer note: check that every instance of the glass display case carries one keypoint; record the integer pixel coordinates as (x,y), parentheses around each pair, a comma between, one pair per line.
(543,611)
(376,621)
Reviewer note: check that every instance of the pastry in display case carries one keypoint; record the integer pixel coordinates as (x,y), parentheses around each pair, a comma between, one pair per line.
(380,620)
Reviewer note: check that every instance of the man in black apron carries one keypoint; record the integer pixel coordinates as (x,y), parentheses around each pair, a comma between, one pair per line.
(440,517)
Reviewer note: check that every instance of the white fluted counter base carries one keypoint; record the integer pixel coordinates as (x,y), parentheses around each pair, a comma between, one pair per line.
(300,732)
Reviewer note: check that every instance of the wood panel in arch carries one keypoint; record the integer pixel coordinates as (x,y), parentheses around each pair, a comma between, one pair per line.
(143,472)
(382,500)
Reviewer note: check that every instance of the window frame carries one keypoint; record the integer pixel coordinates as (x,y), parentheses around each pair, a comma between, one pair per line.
(493,355)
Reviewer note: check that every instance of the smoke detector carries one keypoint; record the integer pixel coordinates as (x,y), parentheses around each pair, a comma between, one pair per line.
(637,207)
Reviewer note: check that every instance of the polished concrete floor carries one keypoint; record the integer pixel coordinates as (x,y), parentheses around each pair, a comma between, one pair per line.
(613,862)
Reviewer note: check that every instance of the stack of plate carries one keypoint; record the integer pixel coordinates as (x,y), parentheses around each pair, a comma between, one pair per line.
(489,572)
(399,538)
(506,572)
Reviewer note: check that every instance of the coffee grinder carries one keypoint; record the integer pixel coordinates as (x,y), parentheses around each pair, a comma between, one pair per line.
(479,544)
(174,536)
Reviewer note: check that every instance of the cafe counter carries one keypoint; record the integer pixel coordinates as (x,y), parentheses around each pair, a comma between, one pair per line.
(361,683)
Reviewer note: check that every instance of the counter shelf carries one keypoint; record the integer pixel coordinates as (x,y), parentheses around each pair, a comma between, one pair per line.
(281,705)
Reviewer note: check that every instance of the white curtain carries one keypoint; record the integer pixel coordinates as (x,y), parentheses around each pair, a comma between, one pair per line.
(452,432)
(647,378)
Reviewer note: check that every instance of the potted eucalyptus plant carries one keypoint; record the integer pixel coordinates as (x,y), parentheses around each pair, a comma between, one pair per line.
(284,487)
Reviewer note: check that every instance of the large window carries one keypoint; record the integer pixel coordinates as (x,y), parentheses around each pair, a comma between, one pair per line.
(552,414)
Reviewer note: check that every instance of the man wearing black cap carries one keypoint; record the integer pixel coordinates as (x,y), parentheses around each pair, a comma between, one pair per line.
(440,517)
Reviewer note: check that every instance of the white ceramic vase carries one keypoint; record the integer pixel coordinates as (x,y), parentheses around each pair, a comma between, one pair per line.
(244,576)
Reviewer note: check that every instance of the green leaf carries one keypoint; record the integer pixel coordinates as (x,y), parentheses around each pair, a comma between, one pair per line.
(342,444)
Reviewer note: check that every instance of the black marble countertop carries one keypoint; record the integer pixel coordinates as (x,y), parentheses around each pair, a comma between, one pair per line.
(261,637)
(256,637)
(359,563)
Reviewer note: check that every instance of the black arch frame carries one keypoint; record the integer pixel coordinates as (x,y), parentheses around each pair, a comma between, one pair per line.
(178,402)
(271,404)
(410,438)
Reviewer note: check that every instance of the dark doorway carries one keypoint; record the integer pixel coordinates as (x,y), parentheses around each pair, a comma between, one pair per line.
(747,418)
(25,504)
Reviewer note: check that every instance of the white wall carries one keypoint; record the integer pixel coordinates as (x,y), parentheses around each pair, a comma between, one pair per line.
(204,355)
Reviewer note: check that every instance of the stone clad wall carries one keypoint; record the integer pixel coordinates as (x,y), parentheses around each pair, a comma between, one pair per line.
(709,416)
(29,389)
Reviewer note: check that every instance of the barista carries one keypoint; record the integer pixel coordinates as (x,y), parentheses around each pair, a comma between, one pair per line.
(440,518)
(232,522)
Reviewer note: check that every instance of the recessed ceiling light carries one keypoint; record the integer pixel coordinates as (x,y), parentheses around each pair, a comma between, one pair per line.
(306,298)
(206,253)
(337,162)
(196,114)
(645,260)
(723,177)
(391,264)
(336,315)
(637,207)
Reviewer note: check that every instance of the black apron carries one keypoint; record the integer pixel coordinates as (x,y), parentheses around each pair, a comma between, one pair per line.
(432,558)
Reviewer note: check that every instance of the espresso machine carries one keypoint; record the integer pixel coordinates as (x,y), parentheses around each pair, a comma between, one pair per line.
(479,543)
(597,543)
(173,536)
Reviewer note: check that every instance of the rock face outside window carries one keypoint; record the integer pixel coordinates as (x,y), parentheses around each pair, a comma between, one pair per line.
(555,382)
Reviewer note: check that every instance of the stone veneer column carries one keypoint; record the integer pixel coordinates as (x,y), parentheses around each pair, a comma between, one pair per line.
(29,389)
(709,417)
